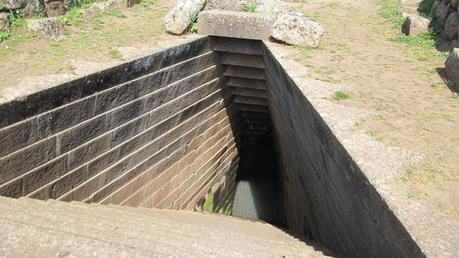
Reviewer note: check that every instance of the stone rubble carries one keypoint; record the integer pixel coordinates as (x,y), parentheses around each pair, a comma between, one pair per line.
(178,20)
(51,28)
(296,29)
(414,24)
(288,27)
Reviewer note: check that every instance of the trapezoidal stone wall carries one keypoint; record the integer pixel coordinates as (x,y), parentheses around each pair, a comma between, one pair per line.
(155,132)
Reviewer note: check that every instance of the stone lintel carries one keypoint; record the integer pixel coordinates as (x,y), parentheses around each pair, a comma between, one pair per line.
(234,24)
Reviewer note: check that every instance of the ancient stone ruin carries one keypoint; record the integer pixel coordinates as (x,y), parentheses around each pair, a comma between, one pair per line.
(96,166)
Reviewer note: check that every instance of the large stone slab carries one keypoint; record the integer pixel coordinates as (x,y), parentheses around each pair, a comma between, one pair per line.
(452,68)
(235,24)
(182,15)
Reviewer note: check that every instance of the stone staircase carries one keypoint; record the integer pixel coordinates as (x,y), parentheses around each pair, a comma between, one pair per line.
(35,228)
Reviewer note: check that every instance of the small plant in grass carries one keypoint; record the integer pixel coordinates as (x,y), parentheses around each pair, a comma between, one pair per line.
(411,195)
(456,210)
(115,54)
(4,35)
(208,205)
(438,85)
(425,40)
(16,19)
(342,95)
(251,8)
(148,2)
(194,24)
(117,13)
(390,9)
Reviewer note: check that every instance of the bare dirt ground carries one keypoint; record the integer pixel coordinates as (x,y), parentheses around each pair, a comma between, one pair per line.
(25,54)
(416,110)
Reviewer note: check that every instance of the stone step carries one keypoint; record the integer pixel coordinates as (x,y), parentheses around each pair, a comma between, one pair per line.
(242,60)
(245,72)
(250,101)
(140,232)
(107,217)
(252,108)
(238,46)
(246,83)
(246,92)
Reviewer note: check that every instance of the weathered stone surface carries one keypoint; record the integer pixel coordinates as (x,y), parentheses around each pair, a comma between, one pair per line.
(453,4)
(60,119)
(131,3)
(234,24)
(13,165)
(442,11)
(17,136)
(415,24)
(271,7)
(34,7)
(451,26)
(13,4)
(54,8)
(454,44)
(435,4)
(296,29)
(229,5)
(44,174)
(452,68)
(180,17)
(51,28)
(4,22)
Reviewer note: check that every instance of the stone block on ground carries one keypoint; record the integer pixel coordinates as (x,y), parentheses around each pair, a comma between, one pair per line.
(13,4)
(452,68)
(54,8)
(4,22)
(234,24)
(296,29)
(51,28)
(178,20)
(34,7)
(415,25)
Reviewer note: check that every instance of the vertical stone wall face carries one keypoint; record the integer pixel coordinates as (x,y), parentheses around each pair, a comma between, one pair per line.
(156,132)
(325,194)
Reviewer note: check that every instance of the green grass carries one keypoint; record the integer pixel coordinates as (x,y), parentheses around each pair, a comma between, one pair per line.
(411,195)
(115,54)
(208,205)
(117,13)
(251,8)
(342,95)
(17,20)
(4,35)
(425,40)
(438,85)
(390,10)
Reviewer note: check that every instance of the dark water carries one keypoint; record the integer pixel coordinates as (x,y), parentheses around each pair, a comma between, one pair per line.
(257,189)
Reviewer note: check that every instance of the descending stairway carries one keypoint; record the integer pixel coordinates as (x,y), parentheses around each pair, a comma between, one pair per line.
(34,228)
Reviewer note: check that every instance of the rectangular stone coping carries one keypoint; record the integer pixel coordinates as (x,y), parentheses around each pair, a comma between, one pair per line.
(234,24)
